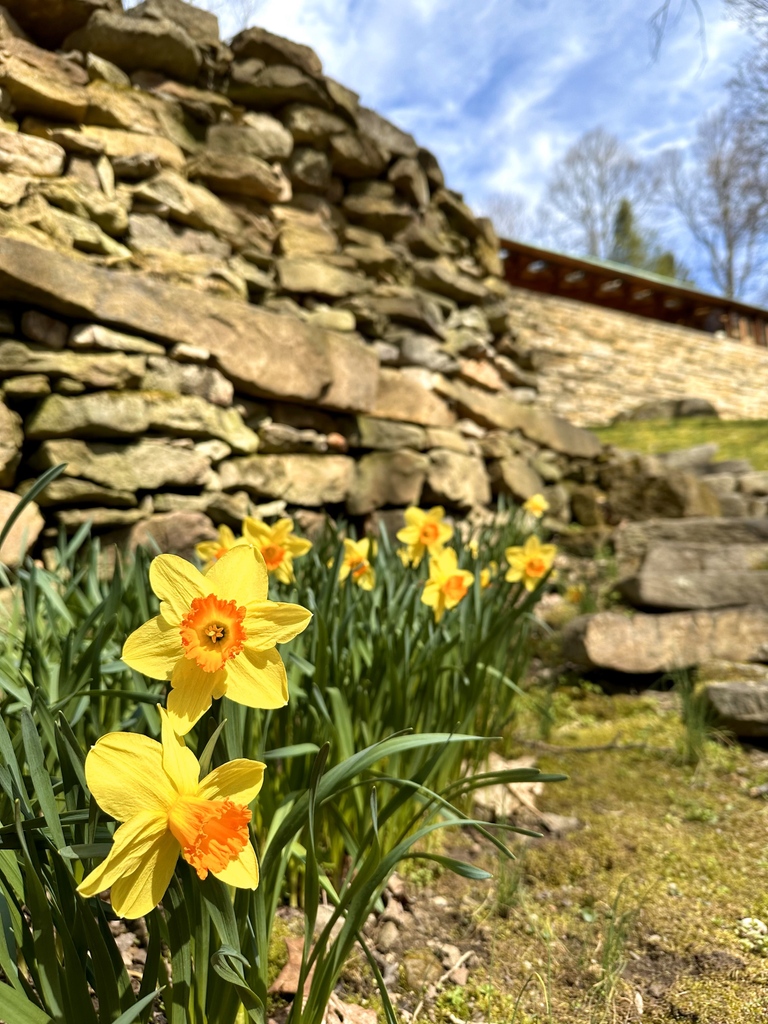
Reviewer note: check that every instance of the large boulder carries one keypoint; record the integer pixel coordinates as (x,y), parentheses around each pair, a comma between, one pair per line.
(27,155)
(189,204)
(50,21)
(259,135)
(642,644)
(107,414)
(94,370)
(739,706)
(241,175)
(43,83)
(147,466)
(387,478)
(400,397)
(200,25)
(310,480)
(696,589)
(260,44)
(307,276)
(500,411)
(154,44)
(457,480)
(633,540)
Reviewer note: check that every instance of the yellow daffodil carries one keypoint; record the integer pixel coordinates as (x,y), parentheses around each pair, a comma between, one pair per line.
(277,544)
(424,532)
(537,505)
(356,563)
(530,563)
(404,556)
(488,574)
(155,790)
(576,593)
(215,634)
(447,584)
(209,551)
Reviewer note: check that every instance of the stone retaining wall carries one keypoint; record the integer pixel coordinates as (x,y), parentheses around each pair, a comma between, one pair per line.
(223,282)
(593,363)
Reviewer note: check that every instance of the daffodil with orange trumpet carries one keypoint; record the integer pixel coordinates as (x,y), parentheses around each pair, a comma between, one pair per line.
(447,584)
(166,810)
(277,544)
(530,563)
(216,634)
(424,532)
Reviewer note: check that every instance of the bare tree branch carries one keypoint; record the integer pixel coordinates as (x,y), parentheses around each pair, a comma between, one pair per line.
(721,193)
(657,24)
(586,188)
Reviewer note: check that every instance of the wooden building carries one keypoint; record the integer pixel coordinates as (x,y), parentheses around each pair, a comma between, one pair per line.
(629,290)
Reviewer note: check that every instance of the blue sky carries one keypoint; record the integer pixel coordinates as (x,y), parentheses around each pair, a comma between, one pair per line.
(499,89)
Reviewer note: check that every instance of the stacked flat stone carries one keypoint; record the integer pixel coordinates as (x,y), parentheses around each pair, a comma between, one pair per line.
(224,281)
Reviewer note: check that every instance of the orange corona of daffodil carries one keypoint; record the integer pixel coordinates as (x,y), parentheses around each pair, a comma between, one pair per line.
(530,563)
(210,551)
(447,584)
(166,810)
(215,635)
(277,544)
(424,532)
(356,562)
(537,505)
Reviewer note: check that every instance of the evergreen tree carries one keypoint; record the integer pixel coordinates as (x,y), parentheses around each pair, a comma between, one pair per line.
(634,249)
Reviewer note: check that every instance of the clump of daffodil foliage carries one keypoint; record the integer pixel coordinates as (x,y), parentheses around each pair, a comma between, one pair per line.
(342,681)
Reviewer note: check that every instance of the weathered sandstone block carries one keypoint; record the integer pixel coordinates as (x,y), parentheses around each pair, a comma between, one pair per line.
(146,466)
(310,480)
(387,478)
(641,644)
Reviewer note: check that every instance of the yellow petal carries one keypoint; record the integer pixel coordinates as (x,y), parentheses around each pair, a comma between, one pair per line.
(431,594)
(367,581)
(131,843)
(444,534)
(226,536)
(281,529)
(242,872)
(207,550)
(177,583)
(408,535)
(179,763)
(240,576)
(257,679)
(284,571)
(154,648)
(274,622)
(414,517)
(256,531)
(124,772)
(238,781)
(298,546)
(191,693)
(135,893)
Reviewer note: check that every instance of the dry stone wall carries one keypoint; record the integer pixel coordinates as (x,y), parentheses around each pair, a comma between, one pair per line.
(594,363)
(223,282)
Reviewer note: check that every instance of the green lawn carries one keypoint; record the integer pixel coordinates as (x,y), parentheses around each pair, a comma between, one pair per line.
(737,439)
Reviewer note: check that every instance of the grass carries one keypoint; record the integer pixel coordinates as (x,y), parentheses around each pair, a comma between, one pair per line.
(737,439)
(636,915)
